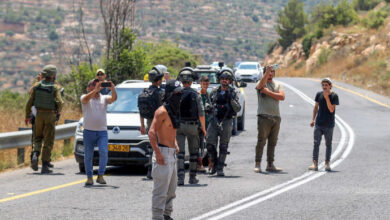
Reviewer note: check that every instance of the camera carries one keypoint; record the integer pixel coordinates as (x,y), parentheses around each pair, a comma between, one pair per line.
(106,84)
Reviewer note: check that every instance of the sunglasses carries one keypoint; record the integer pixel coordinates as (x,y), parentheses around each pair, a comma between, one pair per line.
(100,74)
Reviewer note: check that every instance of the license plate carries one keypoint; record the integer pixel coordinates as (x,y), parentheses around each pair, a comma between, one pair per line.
(119,148)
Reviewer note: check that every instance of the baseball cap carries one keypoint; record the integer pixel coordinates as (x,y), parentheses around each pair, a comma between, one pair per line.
(100,70)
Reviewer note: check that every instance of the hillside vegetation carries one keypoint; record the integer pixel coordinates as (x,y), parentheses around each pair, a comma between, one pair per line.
(355,52)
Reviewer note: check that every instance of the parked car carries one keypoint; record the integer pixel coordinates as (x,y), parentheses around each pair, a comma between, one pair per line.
(211,72)
(249,71)
(126,144)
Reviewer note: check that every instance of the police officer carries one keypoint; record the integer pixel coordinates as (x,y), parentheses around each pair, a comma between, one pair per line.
(224,100)
(46,97)
(155,77)
(191,111)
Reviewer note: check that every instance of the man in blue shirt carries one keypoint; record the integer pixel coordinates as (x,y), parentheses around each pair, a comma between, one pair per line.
(324,121)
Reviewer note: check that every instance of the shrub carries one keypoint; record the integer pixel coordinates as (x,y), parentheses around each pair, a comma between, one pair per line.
(374,19)
(323,56)
(365,4)
(10,33)
(306,44)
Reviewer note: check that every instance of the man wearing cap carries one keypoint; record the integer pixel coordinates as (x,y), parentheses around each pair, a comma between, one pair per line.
(155,77)
(94,106)
(269,94)
(101,76)
(224,100)
(46,98)
(164,125)
(324,121)
(191,112)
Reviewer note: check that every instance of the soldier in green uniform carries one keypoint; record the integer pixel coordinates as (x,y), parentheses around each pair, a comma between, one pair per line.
(46,97)
(191,112)
(224,100)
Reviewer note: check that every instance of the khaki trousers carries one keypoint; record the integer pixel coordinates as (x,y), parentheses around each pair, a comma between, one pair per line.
(268,129)
(44,130)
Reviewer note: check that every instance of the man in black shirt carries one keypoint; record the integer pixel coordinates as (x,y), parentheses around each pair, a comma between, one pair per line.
(324,109)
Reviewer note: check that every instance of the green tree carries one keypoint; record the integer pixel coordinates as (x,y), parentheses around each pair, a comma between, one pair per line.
(53,36)
(365,5)
(291,23)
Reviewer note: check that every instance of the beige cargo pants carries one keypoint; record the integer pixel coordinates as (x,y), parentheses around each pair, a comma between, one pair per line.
(164,184)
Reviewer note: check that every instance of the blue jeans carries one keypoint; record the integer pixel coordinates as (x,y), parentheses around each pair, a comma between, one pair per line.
(328,134)
(92,139)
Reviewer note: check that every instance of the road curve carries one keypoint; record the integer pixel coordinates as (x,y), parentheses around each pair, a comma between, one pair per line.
(357,189)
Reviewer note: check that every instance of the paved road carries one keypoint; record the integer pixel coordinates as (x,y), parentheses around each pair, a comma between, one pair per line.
(357,189)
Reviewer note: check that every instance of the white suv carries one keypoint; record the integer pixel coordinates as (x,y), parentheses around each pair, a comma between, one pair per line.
(126,144)
(249,71)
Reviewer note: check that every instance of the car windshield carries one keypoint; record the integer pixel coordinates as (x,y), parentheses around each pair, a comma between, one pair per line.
(127,101)
(237,64)
(247,67)
(212,76)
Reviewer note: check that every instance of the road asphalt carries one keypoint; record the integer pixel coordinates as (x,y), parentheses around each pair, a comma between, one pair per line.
(358,187)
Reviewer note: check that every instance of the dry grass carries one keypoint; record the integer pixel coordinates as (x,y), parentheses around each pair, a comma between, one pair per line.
(12,120)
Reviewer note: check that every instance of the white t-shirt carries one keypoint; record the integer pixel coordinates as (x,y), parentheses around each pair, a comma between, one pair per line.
(95,113)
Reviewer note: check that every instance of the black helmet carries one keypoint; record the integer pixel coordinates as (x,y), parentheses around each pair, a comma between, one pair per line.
(157,73)
(226,73)
(187,74)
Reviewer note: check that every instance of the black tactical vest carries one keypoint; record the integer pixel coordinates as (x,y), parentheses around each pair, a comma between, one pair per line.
(188,106)
(224,109)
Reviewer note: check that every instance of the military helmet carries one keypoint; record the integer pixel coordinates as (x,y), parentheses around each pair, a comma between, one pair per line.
(226,73)
(157,73)
(49,71)
(186,75)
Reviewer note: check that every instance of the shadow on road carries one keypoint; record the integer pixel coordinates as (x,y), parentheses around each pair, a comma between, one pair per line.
(101,187)
(194,185)
(121,171)
(225,177)
(273,173)
(47,174)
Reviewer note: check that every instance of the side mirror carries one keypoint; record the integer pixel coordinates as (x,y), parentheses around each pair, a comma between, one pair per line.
(243,84)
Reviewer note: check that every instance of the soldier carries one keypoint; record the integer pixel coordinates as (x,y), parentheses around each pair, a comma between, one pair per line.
(191,112)
(204,82)
(46,97)
(225,104)
(154,101)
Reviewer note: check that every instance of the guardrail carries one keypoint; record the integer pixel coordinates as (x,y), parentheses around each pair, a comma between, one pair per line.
(19,139)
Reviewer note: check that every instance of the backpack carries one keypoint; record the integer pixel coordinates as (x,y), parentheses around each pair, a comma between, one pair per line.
(148,102)
(188,106)
(45,96)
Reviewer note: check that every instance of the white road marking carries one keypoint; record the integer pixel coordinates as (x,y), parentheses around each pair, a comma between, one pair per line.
(291,184)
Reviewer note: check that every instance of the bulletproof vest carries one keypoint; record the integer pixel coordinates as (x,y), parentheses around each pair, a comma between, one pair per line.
(45,95)
(149,101)
(224,109)
(188,106)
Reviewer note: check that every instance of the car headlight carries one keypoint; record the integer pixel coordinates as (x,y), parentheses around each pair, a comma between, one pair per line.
(80,128)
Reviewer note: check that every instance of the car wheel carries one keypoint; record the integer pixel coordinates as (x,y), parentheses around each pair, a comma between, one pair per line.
(234,129)
(81,168)
(241,121)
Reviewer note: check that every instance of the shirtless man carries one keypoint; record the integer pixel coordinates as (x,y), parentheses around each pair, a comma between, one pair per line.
(164,171)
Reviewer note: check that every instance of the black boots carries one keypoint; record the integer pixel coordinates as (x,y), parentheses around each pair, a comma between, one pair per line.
(45,168)
(34,160)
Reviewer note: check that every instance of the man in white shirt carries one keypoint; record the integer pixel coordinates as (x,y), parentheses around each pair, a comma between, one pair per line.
(94,107)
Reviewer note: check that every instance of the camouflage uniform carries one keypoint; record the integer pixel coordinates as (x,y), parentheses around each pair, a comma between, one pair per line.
(46,97)
(220,124)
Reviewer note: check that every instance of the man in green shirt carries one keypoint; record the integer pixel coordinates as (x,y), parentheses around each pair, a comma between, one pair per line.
(269,93)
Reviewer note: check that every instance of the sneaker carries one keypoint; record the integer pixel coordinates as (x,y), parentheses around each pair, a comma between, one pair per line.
(101,180)
(314,166)
(89,182)
(257,168)
(167,217)
(273,169)
(34,161)
(213,170)
(327,166)
(180,182)
(193,180)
